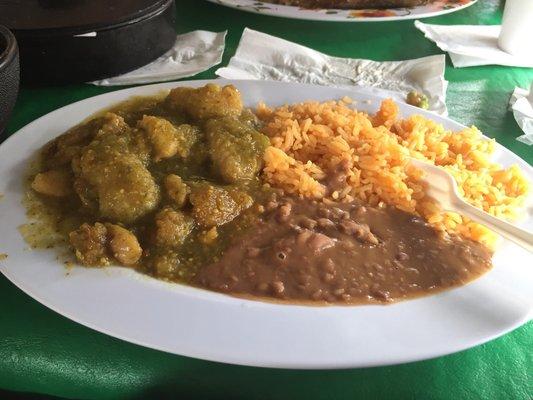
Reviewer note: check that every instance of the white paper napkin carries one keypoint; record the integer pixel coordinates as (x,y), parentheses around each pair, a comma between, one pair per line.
(193,52)
(470,45)
(266,57)
(521,104)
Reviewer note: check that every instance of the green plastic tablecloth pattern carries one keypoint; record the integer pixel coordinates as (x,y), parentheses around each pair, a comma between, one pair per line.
(42,352)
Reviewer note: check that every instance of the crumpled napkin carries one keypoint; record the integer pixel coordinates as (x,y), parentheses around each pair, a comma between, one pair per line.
(470,45)
(521,104)
(266,57)
(193,52)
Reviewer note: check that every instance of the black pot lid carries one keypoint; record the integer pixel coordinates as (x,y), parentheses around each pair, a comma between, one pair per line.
(74,15)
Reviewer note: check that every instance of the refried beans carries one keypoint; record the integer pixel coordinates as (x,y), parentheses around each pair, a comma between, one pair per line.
(308,251)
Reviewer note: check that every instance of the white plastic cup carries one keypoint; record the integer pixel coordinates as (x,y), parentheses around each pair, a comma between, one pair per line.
(516,36)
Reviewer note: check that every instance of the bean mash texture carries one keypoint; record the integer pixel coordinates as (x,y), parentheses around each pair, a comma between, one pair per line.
(350,253)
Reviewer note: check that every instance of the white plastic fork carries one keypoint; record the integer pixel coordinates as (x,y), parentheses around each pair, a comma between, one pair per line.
(442,187)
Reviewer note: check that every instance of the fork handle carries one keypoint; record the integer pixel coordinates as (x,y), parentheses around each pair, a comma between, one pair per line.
(509,231)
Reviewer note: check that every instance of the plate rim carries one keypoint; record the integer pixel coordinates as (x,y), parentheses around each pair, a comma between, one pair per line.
(289,366)
(321,17)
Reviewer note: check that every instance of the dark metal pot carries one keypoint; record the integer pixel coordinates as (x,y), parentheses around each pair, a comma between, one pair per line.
(9,75)
(77,41)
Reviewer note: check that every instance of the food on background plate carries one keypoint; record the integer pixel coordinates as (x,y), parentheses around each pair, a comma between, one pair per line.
(350,4)
(311,202)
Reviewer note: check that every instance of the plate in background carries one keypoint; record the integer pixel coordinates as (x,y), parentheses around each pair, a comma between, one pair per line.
(438,7)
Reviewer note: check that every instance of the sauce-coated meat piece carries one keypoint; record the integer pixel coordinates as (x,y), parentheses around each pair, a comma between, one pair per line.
(172,227)
(99,244)
(215,205)
(60,151)
(166,139)
(124,187)
(210,101)
(123,245)
(162,136)
(86,194)
(89,242)
(235,148)
(177,190)
(55,183)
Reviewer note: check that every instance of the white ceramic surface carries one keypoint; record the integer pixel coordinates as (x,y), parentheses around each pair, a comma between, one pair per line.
(436,7)
(202,324)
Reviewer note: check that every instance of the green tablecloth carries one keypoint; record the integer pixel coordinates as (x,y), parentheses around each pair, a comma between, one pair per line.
(42,352)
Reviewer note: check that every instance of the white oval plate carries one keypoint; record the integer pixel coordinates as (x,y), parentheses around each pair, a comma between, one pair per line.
(438,7)
(202,324)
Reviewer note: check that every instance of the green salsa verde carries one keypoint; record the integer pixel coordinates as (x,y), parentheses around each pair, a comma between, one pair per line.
(161,184)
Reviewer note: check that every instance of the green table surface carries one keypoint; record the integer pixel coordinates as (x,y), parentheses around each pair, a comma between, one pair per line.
(44,353)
